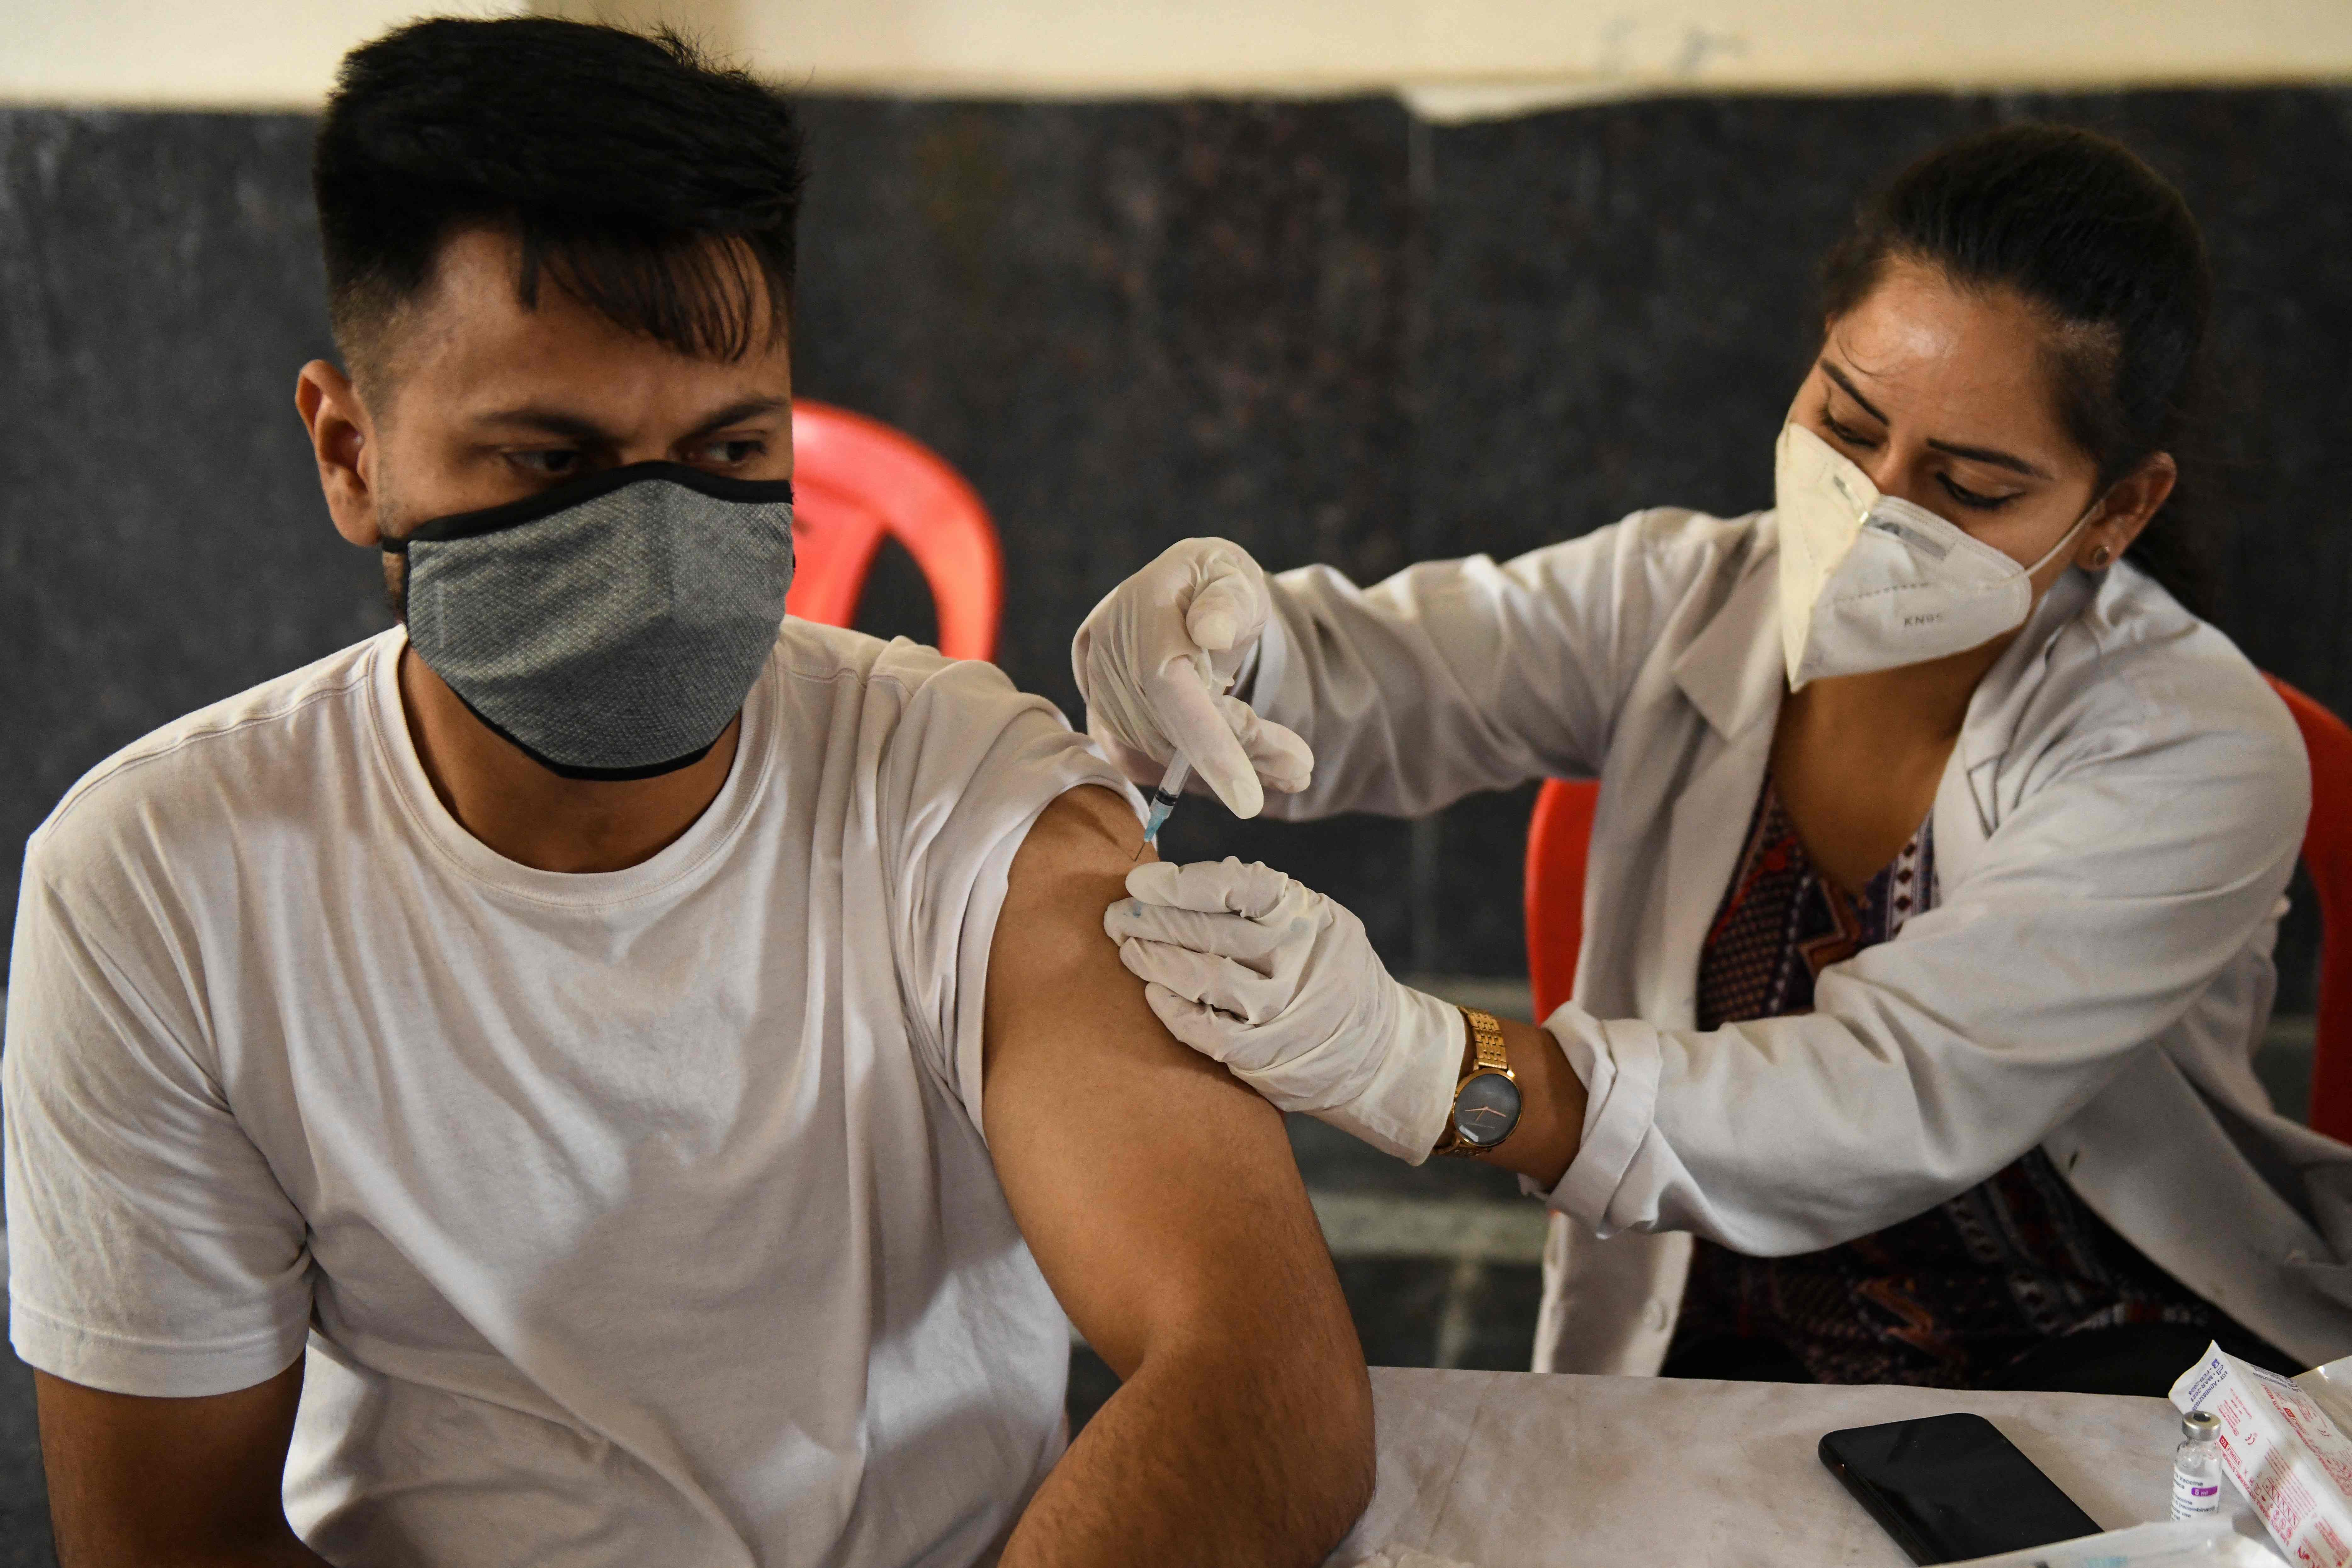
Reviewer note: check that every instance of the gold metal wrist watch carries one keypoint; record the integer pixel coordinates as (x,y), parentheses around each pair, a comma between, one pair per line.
(1486,1100)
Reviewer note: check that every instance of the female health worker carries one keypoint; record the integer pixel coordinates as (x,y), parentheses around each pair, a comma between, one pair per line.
(1938,863)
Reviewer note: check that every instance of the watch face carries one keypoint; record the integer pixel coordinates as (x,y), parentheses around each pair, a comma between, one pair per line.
(1486,1109)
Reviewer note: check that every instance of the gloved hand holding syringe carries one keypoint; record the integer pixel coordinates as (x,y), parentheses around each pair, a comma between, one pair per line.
(1156,662)
(1323,1027)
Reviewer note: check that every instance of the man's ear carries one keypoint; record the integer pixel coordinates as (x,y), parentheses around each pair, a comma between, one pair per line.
(2134,499)
(343,438)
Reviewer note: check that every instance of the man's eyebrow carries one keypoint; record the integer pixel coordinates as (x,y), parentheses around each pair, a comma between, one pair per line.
(736,412)
(550,422)
(1997,458)
(572,428)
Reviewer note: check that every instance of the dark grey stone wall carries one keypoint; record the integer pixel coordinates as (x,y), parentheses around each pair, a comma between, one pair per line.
(161,539)
(1325,330)
(24,1502)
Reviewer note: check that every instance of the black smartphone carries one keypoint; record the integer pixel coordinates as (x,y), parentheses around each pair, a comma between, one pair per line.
(1950,1488)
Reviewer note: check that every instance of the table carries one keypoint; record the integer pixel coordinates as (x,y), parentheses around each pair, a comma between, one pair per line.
(1503,1469)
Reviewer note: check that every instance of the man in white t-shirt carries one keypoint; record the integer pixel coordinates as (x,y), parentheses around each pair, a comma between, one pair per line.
(582,1077)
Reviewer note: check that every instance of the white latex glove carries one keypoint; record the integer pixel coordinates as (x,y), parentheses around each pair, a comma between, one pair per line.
(1282,985)
(1153,661)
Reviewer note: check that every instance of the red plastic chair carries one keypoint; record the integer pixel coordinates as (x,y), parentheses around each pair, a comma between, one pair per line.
(1560,833)
(2327,856)
(855,479)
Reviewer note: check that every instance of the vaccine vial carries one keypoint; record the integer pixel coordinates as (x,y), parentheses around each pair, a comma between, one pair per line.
(2197,1466)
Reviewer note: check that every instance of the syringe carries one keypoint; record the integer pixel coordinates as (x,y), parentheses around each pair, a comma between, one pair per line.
(1164,800)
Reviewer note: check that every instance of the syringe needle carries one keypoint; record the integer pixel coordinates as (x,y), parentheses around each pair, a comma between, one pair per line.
(1163,802)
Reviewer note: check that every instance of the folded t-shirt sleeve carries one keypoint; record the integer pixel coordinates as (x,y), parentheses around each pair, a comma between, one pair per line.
(971,764)
(150,1250)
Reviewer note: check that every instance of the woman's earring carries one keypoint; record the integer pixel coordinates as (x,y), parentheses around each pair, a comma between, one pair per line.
(2100,557)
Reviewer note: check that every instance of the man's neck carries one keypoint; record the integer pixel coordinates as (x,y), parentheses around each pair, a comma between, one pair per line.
(540,818)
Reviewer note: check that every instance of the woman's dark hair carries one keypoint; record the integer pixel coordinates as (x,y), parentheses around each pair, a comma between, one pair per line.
(2105,247)
(615,159)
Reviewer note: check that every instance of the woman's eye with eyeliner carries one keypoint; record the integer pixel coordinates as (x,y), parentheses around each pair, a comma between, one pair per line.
(1970,499)
(1852,438)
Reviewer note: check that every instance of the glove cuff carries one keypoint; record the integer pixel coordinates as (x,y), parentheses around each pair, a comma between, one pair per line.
(1402,1110)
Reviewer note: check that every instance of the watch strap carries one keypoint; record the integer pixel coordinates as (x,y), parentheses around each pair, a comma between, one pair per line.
(1487,1033)
(1490,1055)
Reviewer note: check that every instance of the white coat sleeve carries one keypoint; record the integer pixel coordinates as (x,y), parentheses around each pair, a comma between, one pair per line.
(1458,676)
(2124,881)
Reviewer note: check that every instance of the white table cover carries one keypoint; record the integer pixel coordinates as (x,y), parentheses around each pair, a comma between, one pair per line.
(1503,1469)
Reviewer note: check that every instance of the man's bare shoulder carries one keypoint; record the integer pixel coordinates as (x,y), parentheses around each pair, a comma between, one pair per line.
(1050,956)
(1089,831)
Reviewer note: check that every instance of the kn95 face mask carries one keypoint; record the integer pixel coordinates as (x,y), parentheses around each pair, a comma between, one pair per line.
(612,624)
(1872,582)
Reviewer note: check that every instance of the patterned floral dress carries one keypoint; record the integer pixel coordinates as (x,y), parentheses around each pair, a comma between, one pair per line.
(1947,1298)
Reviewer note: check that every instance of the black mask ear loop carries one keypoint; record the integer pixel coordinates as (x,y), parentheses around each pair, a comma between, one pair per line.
(397,550)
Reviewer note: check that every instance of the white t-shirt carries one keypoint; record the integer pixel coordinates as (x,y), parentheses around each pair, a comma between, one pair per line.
(633,1218)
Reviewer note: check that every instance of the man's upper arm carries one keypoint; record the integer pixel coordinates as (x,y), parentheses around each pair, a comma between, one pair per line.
(158,1283)
(135,1480)
(1157,1193)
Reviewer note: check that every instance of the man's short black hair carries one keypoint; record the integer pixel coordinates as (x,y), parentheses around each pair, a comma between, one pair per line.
(657,188)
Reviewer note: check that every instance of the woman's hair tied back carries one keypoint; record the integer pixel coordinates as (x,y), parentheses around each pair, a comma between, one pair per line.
(2101,244)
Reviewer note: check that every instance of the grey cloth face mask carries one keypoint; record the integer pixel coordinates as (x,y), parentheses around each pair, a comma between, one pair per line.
(609,625)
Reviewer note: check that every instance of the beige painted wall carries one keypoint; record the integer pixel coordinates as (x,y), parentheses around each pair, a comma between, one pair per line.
(208,53)
(1451,56)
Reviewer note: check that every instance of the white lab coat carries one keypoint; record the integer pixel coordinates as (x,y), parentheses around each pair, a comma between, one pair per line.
(2112,835)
